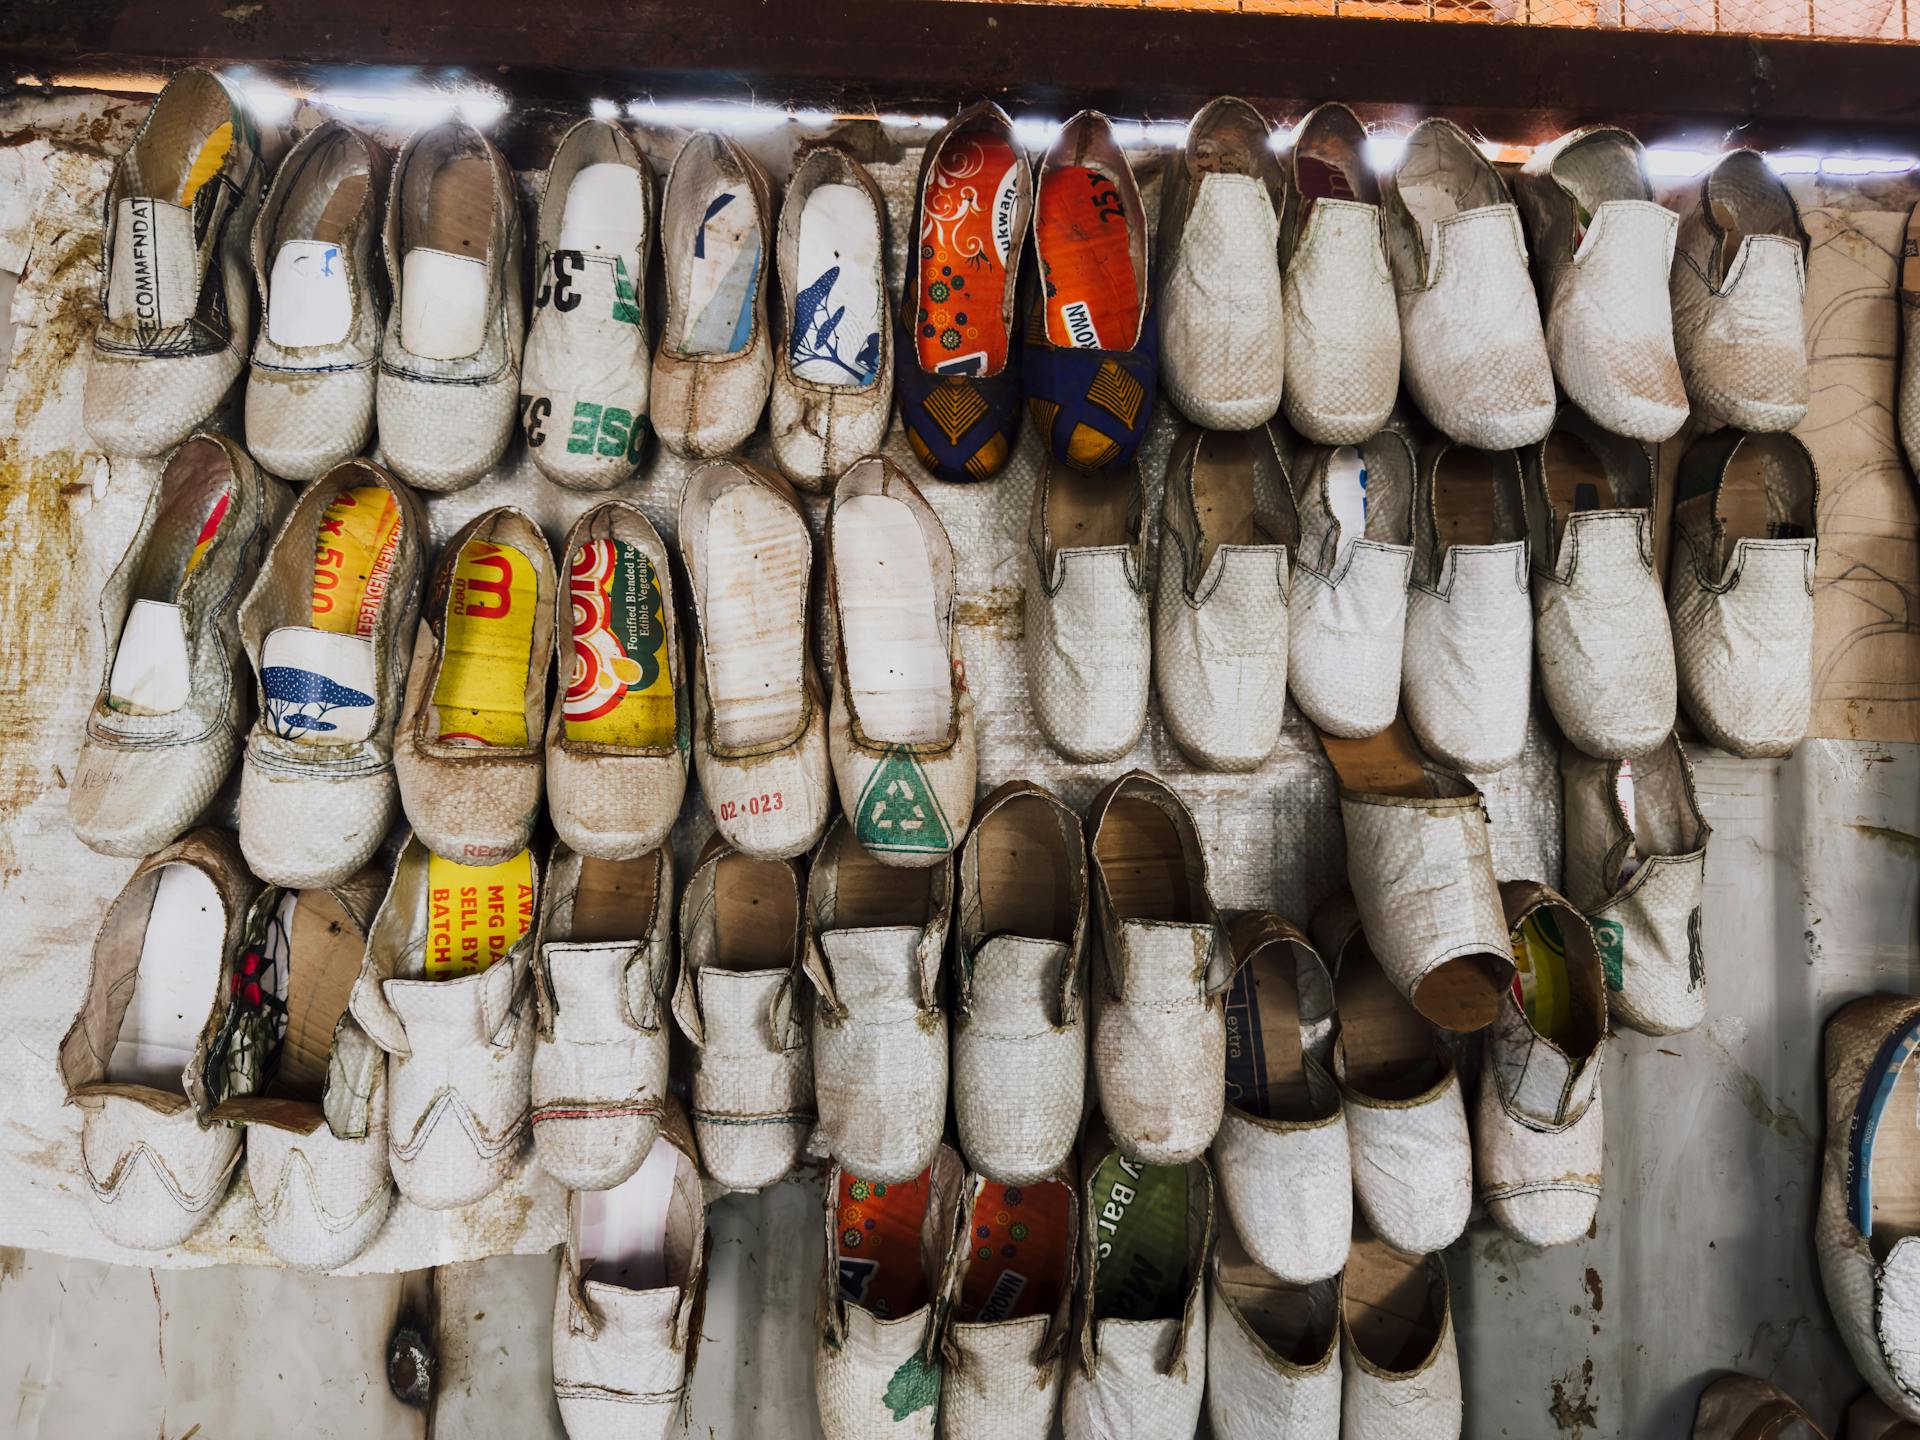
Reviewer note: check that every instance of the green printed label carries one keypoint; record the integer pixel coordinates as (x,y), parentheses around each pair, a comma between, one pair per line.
(1611,938)
(897,810)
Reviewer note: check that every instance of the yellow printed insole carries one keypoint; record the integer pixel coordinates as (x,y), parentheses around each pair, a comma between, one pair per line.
(1540,975)
(621,690)
(475,914)
(482,690)
(208,531)
(877,1243)
(1021,1238)
(1093,298)
(359,535)
(213,154)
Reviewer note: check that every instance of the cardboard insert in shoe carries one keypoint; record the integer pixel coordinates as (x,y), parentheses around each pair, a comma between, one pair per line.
(1391,1308)
(1299,1323)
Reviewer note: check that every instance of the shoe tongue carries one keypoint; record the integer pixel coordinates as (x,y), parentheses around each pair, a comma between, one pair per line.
(309,301)
(443,304)
(1014,977)
(320,686)
(155,281)
(1163,961)
(151,674)
(606,210)
(877,964)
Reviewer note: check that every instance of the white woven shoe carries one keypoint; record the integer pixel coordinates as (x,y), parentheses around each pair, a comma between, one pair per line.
(1467,679)
(632,1288)
(1636,847)
(1602,248)
(328,627)
(1227,527)
(1019,1041)
(1600,627)
(1221,314)
(143,1060)
(1739,1407)
(602,977)
(165,726)
(875,942)
(1475,356)
(176,305)
(1401,1364)
(1738,282)
(1088,639)
(1273,1352)
(1159,1038)
(583,386)
(1343,323)
(1740,589)
(310,385)
(738,1002)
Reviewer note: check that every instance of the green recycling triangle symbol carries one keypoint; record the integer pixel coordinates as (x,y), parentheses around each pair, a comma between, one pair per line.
(897,810)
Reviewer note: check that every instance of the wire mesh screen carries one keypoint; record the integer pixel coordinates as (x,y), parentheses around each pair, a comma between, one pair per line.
(1824,19)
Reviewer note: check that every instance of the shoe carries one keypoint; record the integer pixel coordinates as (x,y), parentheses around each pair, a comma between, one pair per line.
(1159,1038)
(959,380)
(1411,1156)
(1019,1041)
(176,309)
(1011,1298)
(1869,1419)
(1401,1365)
(890,1248)
(1139,1368)
(1865,1230)
(738,1002)
(1282,1150)
(901,725)
(441,991)
(1600,627)
(1273,1351)
(618,736)
(143,1074)
(1222,318)
(468,752)
(310,385)
(1092,351)
(1342,321)
(1739,278)
(1475,355)
(1740,1407)
(583,387)
(1601,247)
(874,948)
(633,1287)
(303,1079)
(759,749)
(833,366)
(1740,589)
(1227,525)
(1636,848)
(1087,630)
(1347,617)
(713,363)
(1537,1138)
(1421,867)
(1467,680)
(165,726)
(450,360)
(602,977)
(329,627)
(1908,408)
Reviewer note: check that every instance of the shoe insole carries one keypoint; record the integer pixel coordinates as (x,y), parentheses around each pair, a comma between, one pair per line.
(758,555)
(444,282)
(1540,982)
(877,1243)
(353,555)
(1297,1322)
(836,314)
(1140,1240)
(624,1230)
(1576,480)
(1021,1239)
(181,958)
(1910,258)
(612,900)
(870,895)
(966,235)
(1731,234)
(892,631)
(605,210)
(1086,511)
(1322,180)
(1624,795)
(1389,1047)
(1347,497)
(1466,500)
(481,690)
(621,688)
(207,161)
(1083,235)
(309,295)
(1747,504)
(324,948)
(1223,492)
(756,914)
(1266,1069)
(1894,1180)
(476,914)
(1026,871)
(152,672)
(1139,853)
(724,275)
(1389,1302)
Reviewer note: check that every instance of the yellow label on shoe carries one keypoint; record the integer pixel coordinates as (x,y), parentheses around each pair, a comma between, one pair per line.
(621,690)
(208,532)
(359,536)
(482,689)
(1540,974)
(475,914)
(213,154)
